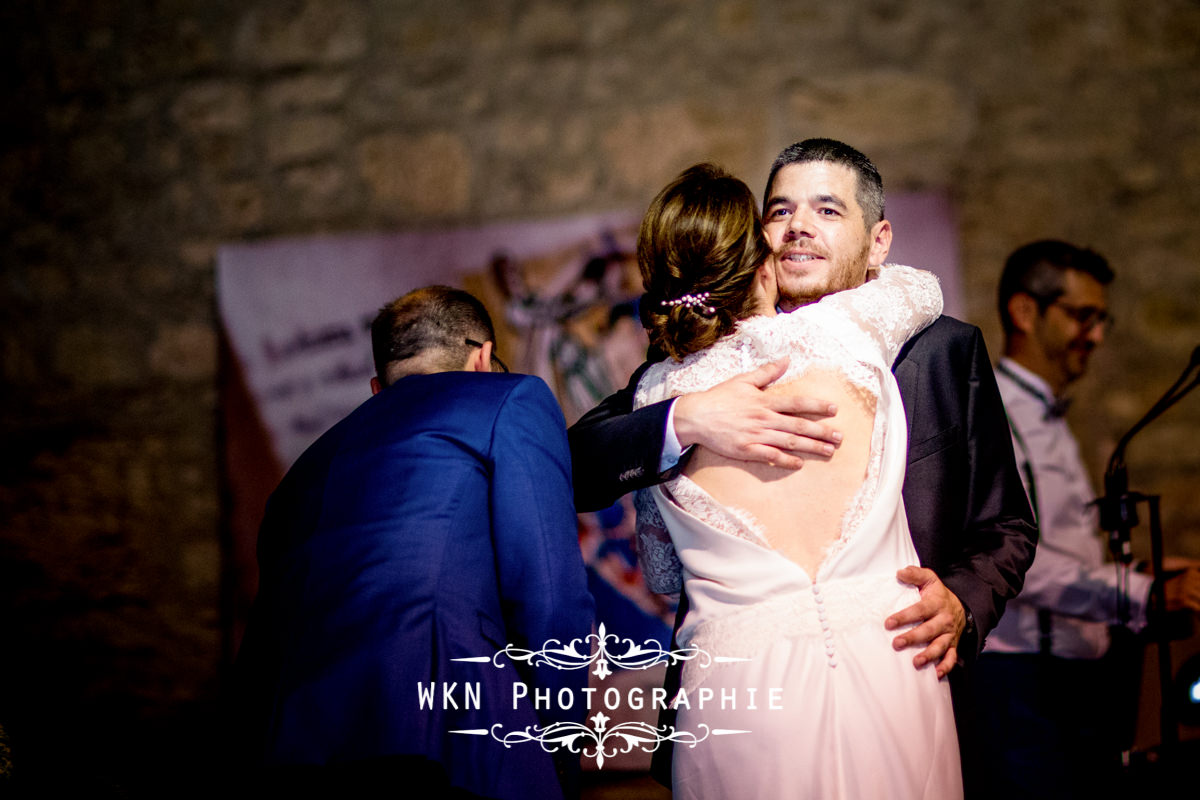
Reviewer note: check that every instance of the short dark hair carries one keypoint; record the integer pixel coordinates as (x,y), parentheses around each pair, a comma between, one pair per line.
(869,187)
(1037,269)
(434,322)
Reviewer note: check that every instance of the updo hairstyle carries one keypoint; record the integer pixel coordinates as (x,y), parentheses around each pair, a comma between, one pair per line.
(701,234)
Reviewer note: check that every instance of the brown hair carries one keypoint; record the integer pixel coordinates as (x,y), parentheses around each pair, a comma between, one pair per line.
(701,234)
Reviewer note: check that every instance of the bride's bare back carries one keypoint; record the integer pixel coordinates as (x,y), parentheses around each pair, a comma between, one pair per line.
(800,512)
(840,349)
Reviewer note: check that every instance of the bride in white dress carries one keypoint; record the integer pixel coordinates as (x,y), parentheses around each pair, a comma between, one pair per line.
(793,572)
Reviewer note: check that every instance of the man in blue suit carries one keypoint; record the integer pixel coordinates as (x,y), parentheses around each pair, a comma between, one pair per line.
(432,524)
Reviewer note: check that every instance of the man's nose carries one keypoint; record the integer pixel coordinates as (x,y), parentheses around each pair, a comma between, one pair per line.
(800,224)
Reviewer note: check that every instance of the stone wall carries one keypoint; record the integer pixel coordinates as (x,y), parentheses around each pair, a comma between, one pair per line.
(139,136)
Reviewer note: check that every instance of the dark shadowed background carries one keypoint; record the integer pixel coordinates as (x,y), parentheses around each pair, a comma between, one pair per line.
(140,137)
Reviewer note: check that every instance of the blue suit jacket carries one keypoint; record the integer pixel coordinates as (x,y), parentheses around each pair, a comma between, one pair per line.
(433,523)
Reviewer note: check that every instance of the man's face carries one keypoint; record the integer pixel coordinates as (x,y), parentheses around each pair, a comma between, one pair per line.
(815,226)
(1070,328)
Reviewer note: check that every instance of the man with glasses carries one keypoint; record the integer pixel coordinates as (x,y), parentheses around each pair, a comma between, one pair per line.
(427,530)
(1046,681)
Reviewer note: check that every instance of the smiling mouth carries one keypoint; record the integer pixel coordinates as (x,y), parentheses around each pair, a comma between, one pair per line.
(800,257)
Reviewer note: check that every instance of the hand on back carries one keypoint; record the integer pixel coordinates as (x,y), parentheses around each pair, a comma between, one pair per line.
(738,419)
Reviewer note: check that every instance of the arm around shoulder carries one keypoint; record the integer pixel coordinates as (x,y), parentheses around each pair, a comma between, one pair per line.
(614,449)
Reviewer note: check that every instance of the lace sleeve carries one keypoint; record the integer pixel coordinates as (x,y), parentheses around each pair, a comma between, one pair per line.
(898,303)
(733,355)
(656,553)
(652,387)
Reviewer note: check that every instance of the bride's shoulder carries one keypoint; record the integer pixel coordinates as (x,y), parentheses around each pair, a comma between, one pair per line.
(729,356)
(755,326)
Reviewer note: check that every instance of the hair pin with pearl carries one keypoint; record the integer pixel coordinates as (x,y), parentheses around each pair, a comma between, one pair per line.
(692,301)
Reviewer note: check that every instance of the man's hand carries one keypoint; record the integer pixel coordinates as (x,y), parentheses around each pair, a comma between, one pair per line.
(737,419)
(939,617)
(1183,591)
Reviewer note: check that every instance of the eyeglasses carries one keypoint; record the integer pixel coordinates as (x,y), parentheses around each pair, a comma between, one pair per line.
(503,367)
(1087,317)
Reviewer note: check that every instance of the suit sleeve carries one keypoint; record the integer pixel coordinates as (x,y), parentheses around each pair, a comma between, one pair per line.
(543,583)
(999,536)
(616,450)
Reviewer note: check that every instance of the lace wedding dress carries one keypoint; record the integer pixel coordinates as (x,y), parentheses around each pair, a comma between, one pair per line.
(817,704)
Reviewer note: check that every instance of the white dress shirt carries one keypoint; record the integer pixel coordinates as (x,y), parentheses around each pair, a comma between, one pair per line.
(672,450)
(1069,575)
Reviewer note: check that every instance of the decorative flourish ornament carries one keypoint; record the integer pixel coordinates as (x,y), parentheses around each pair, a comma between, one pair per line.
(569,656)
(599,741)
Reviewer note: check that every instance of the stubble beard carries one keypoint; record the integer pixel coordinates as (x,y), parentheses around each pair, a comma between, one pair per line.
(844,273)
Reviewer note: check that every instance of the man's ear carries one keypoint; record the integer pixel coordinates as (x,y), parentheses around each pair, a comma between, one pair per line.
(481,359)
(1023,310)
(376,386)
(881,243)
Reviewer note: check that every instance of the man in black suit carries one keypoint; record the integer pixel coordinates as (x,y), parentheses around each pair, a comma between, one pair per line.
(970,520)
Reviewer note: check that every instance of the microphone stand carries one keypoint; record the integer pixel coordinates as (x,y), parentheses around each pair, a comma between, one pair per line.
(1118,516)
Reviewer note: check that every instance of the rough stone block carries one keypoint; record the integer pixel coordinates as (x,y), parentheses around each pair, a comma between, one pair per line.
(312,90)
(297,34)
(302,138)
(99,356)
(317,191)
(882,109)
(241,205)
(186,351)
(212,106)
(428,175)
(659,141)
(548,27)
